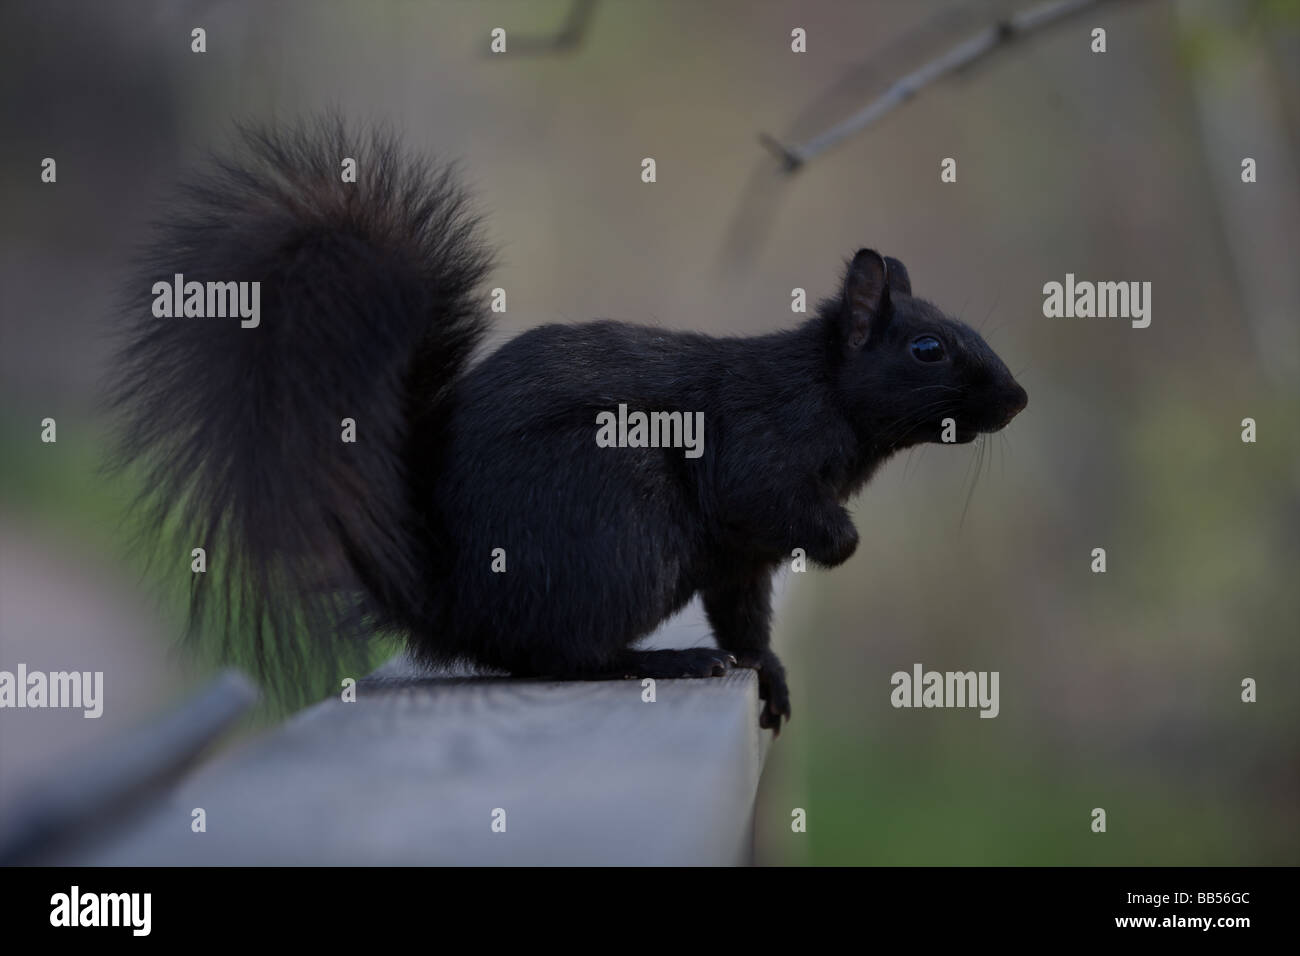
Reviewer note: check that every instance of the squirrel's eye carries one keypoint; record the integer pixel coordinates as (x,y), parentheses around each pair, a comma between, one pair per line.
(928,349)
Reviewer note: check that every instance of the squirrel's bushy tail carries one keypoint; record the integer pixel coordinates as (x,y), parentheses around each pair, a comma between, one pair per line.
(369,311)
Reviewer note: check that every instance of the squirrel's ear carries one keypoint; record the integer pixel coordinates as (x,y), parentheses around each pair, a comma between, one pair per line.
(899,280)
(866,297)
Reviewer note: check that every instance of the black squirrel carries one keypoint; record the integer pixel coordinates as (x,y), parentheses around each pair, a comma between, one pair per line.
(371,311)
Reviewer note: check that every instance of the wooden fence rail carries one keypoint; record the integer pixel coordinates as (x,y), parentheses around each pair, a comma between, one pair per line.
(426,770)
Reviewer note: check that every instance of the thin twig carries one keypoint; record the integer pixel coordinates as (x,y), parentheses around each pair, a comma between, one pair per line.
(969,51)
(566,39)
(761,195)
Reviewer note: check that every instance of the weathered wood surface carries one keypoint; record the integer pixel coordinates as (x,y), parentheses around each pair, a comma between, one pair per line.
(412,772)
(118,777)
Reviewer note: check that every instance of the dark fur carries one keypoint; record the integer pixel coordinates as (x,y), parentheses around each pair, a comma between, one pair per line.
(369,311)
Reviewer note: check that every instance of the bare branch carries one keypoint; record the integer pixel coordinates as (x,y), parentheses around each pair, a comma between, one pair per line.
(969,51)
(568,38)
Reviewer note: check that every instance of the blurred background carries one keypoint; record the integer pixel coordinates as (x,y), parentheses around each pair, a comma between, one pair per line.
(1118,690)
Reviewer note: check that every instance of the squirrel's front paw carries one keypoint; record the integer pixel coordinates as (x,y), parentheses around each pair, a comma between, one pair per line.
(772,689)
(838,541)
(776,695)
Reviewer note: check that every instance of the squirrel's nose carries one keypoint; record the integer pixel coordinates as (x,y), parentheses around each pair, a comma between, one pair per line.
(1019,399)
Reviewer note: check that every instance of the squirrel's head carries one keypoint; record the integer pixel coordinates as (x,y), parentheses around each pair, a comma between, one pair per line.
(906,367)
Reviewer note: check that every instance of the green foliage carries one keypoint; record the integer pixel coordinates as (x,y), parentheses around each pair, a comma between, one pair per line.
(61,487)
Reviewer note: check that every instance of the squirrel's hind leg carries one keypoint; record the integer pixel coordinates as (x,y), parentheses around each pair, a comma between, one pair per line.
(668,664)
